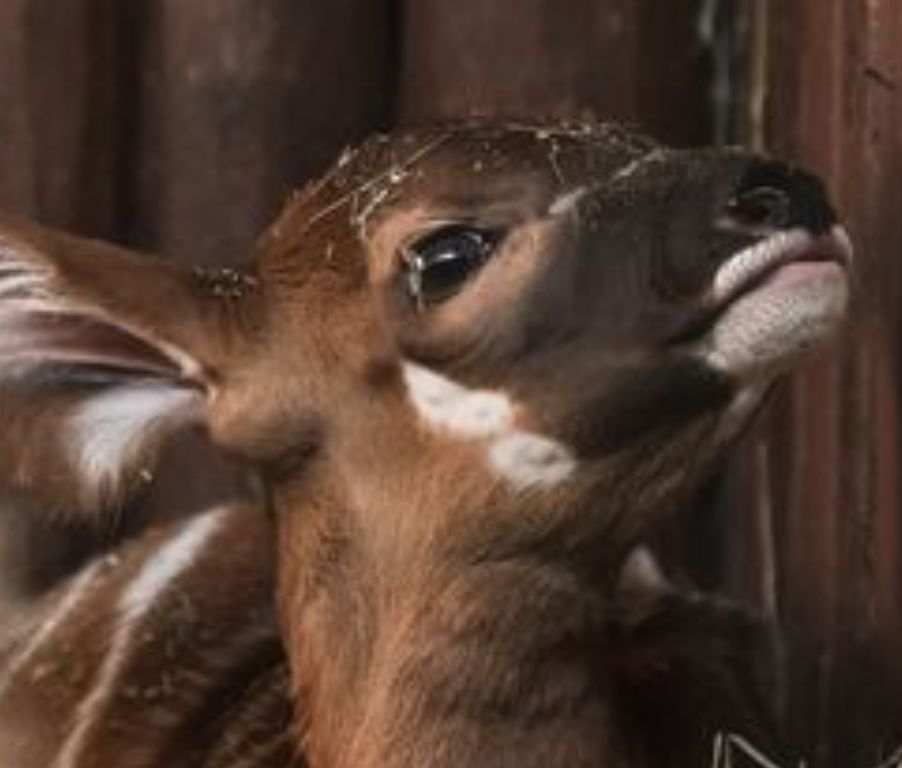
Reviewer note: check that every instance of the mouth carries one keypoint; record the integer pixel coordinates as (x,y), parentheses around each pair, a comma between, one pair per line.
(782,261)
(774,300)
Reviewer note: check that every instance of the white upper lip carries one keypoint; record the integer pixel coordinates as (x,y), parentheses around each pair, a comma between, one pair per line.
(778,250)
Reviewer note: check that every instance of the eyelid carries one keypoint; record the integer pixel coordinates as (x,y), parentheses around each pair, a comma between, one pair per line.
(494,231)
(435,227)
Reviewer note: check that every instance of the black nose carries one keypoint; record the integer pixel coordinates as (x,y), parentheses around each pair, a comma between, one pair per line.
(772,196)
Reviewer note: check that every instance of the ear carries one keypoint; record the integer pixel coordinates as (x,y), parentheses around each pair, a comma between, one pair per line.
(103,354)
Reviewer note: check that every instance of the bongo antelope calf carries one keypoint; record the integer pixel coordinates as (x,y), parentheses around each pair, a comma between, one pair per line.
(471,368)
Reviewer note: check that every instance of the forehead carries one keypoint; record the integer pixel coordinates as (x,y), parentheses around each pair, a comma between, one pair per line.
(465,167)
(467,160)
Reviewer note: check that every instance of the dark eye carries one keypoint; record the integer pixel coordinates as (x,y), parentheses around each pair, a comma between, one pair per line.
(437,266)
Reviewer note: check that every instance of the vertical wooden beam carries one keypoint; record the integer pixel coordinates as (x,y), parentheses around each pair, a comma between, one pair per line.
(824,85)
(619,59)
(181,126)
(240,101)
(58,128)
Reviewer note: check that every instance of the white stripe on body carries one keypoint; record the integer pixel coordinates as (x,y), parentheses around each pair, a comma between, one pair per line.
(174,557)
(75,592)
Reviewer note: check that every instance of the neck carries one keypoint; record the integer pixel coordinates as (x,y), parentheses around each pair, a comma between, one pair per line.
(445,660)
(435,618)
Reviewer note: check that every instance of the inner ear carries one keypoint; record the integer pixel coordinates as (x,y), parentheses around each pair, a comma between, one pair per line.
(104,354)
(89,300)
(33,343)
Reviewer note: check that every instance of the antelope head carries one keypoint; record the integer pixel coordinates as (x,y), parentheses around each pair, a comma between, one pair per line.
(472,367)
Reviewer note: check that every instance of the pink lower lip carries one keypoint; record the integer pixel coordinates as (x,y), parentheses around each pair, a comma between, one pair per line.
(822,255)
(793,275)
(795,272)
(827,257)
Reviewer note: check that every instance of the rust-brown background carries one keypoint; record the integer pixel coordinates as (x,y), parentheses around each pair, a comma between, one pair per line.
(178,126)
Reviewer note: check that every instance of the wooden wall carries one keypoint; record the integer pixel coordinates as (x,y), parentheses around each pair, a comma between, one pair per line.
(821,479)
(179,125)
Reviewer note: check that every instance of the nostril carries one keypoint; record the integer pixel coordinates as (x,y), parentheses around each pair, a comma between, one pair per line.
(760,207)
(772,196)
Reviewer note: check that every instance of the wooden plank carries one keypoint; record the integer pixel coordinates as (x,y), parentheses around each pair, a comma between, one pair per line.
(619,59)
(58,134)
(824,87)
(181,126)
(239,101)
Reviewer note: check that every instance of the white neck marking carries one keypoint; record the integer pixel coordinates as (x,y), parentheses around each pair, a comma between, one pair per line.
(112,431)
(524,459)
(446,405)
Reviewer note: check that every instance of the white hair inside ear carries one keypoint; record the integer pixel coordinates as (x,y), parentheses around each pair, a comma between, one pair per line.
(111,434)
